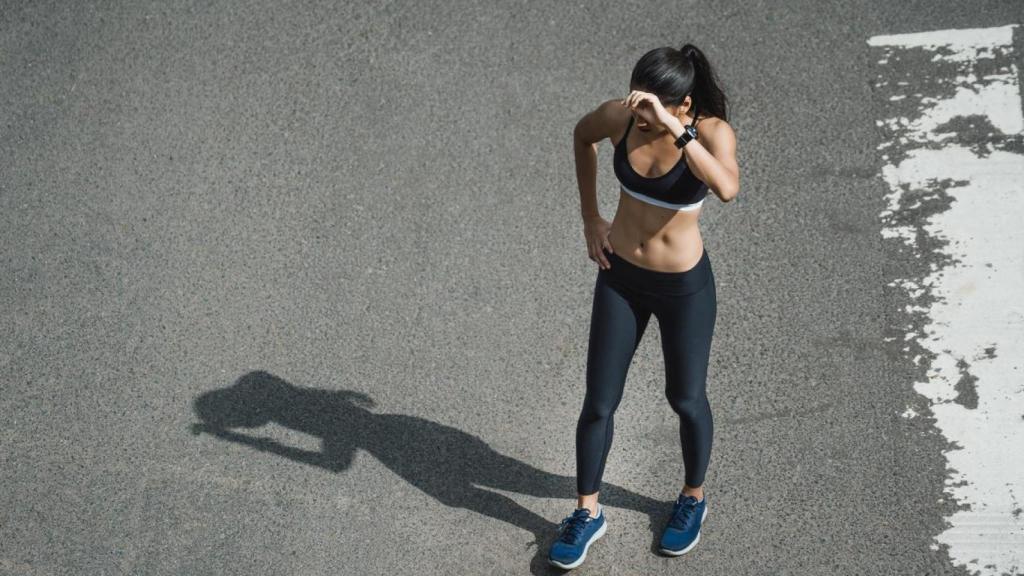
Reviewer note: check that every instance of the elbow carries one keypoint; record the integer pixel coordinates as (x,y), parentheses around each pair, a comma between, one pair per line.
(728,194)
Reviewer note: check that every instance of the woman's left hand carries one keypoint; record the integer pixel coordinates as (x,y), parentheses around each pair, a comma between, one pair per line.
(648,107)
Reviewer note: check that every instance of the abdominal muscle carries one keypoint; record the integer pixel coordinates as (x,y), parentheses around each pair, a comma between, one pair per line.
(656,238)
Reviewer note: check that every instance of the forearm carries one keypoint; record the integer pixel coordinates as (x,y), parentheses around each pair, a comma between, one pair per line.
(703,163)
(586,176)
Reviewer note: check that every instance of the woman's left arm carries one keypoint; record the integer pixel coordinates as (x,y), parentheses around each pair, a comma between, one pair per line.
(716,164)
(713,157)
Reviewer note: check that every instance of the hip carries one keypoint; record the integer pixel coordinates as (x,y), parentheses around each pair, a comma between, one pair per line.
(640,280)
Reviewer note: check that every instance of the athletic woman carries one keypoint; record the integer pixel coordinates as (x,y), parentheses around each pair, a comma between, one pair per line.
(652,261)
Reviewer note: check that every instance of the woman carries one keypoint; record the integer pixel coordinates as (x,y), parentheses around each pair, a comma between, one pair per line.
(652,261)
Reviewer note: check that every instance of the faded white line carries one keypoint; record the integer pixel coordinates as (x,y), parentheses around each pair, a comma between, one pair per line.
(962,139)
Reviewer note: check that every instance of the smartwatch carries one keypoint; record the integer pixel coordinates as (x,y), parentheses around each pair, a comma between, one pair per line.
(689,133)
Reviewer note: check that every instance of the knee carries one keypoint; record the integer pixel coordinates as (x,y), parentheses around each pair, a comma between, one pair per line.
(692,407)
(594,411)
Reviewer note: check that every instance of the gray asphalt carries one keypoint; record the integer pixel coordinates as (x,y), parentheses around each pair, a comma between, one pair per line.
(302,290)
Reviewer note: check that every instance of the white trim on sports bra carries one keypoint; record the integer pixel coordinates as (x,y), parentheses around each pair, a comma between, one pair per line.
(662,203)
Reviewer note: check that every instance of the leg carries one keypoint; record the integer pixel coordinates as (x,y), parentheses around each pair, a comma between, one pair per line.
(687,325)
(616,327)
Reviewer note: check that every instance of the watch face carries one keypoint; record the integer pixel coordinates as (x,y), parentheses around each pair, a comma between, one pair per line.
(689,133)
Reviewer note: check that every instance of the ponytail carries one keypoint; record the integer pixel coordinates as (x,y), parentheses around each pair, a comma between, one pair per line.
(707,95)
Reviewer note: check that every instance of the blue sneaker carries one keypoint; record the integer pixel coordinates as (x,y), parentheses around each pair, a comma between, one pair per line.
(683,530)
(576,533)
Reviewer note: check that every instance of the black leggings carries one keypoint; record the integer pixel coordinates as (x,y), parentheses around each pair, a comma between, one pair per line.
(625,296)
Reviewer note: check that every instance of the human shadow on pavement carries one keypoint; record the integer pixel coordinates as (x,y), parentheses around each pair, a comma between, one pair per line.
(444,462)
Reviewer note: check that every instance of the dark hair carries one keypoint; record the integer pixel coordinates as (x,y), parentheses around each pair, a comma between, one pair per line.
(673,74)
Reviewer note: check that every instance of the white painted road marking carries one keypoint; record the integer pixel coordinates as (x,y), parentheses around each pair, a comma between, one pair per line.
(960,146)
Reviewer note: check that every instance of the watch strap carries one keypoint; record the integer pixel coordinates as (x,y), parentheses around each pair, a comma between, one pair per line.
(689,133)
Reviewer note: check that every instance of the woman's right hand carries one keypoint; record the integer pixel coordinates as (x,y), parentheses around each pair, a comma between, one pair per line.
(595,230)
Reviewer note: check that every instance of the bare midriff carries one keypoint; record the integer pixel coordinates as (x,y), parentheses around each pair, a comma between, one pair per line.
(656,238)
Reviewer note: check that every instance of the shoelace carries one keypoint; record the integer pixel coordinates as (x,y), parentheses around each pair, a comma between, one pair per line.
(572,526)
(682,512)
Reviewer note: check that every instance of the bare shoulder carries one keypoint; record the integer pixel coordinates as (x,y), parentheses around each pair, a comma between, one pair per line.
(607,120)
(613,109)
(715,132)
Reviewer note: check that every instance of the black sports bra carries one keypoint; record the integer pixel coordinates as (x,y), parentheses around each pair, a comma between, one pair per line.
(677,189)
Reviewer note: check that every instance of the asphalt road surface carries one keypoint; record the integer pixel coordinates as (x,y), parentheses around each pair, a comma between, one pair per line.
(301,288)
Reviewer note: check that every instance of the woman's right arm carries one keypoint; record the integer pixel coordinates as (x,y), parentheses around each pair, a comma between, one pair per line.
(593,127)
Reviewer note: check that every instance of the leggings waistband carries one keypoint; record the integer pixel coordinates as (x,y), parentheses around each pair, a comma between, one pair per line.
(675,283)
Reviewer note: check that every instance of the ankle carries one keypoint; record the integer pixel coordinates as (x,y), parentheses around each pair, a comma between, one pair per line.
(589,502)
(696,492)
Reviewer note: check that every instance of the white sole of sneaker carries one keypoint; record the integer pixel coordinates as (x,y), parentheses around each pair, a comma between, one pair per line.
(571,565)
(692,544)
